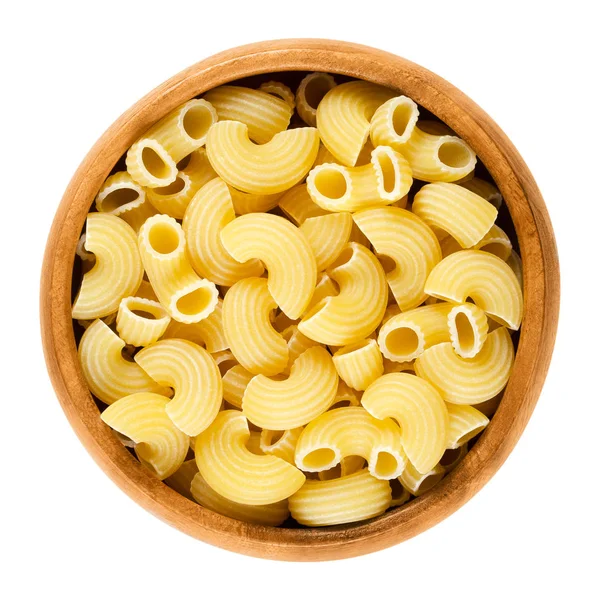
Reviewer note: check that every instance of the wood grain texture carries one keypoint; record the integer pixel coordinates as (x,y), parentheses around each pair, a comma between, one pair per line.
(541,281)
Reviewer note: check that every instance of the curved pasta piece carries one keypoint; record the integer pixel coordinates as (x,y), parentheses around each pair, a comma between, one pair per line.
(186,297)
(297,343)
(298,206)
(327,235)
(150,165)
(360,364)
(495,241)
(303,396)
(485,189)
(418,483)
(485,278)
(141,322)
(263,114)
(468,327)
(292,268)
(390,366)
(469,380)
(276,88)
(235,382)
(391,311)
(351,431)
(325,287)
(418,408)
(409,243)
(324,156)
(357,310)
(209,212)
(347,466)
(407,335)
(270,168)
(87,258)
(142,417)
(146,291)
(309,94)
(344,115)
(347,499)
(280,443)
(244,203)
(464,424)
(117,272)
(252,339)
(385,179)
(237,474)
(393,122)
(345,396)
(466,216)
(193,373)
(181,480)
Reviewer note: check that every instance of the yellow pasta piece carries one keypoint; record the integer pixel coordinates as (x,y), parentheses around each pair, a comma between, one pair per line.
(468,327)
(420,411)
(324,156)
(117,272)
(469,380)
(304,395)
(327,235)
(146,291)
(344,115)
(483,277)
(345,396)
(452,457)
(393,122)
(276,88)
(409,243)
(237,474)
(280,443)
(142,417)
(253,443)
(407,335)
(193,373)
(465,423)
(495,241)
(87,258)
(515,263)
(297,343)
(325,287)
(282,322)
(485,189)
(391,311)
(351,431)
(347,466)
(418,483)
(235,382)
(207,215)
(141,322)
(466,216)
(385,179)
(186,297)
(252,339)
(244,203)
(181,480)
(109,320)
(347,499)
(264,114)
(298,206)
(174,198)
(292,268)
(309,94)
(390,366)
(435,157)
(149,164)
(360,364)
(357,310)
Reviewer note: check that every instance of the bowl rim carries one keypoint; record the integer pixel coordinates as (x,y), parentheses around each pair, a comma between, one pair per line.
(538,331)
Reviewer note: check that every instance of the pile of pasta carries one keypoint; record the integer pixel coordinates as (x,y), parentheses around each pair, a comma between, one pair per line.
(298,304)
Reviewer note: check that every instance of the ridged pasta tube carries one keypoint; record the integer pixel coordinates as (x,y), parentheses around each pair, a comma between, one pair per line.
(235,382)
(149,164)
(468,327)
(297,343)
(310,92)
(327,236)
(418,483)
(495,241)
(360,364)
(298,206)
(280,443)
(244,203)
(140,321)
(276,88)
(485,189)
(464,424)
(393,122)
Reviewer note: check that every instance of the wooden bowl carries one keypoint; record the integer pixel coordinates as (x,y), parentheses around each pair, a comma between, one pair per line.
(541,282)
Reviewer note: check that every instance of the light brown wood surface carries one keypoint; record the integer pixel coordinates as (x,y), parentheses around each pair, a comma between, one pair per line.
(541,280)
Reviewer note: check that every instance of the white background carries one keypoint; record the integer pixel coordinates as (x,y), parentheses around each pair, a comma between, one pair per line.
(69,70)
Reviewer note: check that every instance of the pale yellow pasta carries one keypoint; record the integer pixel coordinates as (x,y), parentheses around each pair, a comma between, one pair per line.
(186,297)
(385,179)
(393,122)
(117,272)
(418,483)
(235,382)
(347,499)
(434,157)
(268,514)
(466,216)
(253,443)
(87,258)
(325,287)
(327,235)
(269,168)
(351,431)
(209,212)
(483,277)
(516,264)
(305,394)
(264,114)
(297,343)
(276,88)
(109,320)
(244,203)
(149,164)
(193,374)
(345,396)
(407,335)
(347,466)
(142,417)
(324,156)
(298,206)
(281,322)
(469,380)
(390,366)
(280,443)
(485,189)
(420,412)
(360,364)
(235,472)
(495,241)
(252,339)
(344,115)
(409,243)
(146,291)
(292,267)
(452,457)
(465,423)
(174,198)
(357,310)
(391,311)
(140,321)
(309,94)
(468,327)
(181,480)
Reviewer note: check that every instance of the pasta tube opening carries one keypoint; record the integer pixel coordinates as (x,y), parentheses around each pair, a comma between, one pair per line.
(404,343)
(119,198)
(403,118)
(332,182)
(311,91)
(181,182)
(454,153)
(197,301)
(388,173)
(319,460)
(386,466)
(156,162)
(197,120)
(164,238)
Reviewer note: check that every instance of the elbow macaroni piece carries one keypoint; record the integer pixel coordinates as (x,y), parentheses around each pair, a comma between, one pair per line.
(117,272)
(235,472)
(244,203)
(495,241)
(309,94)
(292,267)
(270,168)
(209,212)
(484,189)
(418,408)
(297,343)
(141,322)
(327,235)
(345,396)
(280,443)
(142,417)
(186,297)
(360,364)
(464,424)
(394,122)
(468,327)
(276,88)
(409,243)
(235,382)
(298,206)
(87,258)
(418,483)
